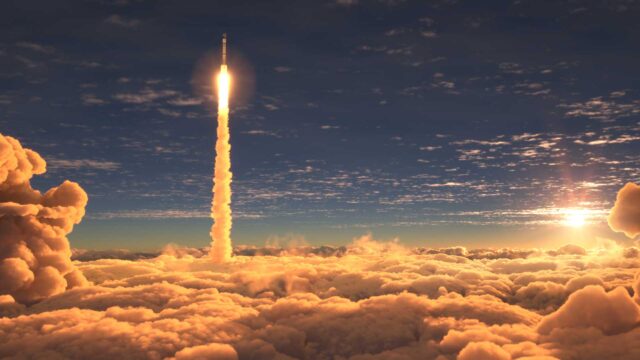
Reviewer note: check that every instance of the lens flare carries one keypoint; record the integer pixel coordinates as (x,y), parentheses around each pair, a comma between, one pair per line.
(221,204)
(576,218)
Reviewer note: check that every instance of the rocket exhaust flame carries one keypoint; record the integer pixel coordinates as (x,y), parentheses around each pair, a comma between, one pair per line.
(223,89)
(221,205)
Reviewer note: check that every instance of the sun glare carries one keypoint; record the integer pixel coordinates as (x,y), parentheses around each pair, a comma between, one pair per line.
(575,218)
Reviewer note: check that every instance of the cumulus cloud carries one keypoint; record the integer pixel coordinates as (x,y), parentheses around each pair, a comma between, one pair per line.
(625,215)
(208,351)
(34,251)
(612,313)
(370,300)
(483,350)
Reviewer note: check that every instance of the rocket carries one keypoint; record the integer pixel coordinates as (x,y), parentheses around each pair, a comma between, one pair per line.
(221,248)
(223,79)
(224,49)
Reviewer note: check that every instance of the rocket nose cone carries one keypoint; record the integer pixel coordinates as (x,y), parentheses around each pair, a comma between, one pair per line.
(224,49)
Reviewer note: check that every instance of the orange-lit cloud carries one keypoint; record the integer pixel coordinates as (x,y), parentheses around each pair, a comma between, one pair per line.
(35,258)
(369,300)
(625,215)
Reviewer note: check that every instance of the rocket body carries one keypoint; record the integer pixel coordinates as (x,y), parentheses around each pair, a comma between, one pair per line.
(224,49)
(224,80)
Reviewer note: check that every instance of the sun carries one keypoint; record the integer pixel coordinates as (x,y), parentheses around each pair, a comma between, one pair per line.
(575,218)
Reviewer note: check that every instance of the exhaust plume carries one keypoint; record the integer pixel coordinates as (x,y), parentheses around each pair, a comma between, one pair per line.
(221,204)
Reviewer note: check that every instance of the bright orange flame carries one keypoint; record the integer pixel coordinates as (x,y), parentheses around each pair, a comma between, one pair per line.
(224,86)
(221,248)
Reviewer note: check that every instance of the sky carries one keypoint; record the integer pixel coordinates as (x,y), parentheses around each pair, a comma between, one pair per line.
(437,123)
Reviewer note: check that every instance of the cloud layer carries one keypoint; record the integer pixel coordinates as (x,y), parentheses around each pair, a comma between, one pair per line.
(35,258)
(369,301)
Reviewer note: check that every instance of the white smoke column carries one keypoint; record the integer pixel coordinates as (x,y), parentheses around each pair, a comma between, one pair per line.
(221,204)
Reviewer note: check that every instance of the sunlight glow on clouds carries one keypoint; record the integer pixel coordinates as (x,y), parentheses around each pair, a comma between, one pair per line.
(367,300)
(373,301)
(625,215)
(34,251)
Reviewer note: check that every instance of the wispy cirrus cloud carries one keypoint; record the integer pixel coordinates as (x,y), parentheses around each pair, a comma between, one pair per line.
(122,21)
(155,214)
(44,49)
(145,96)
(78,164)
(599,108)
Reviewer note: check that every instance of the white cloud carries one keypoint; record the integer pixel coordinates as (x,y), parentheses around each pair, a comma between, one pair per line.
(91,99)
(77,164)
(36,47)
(282,69)
(429,34)
(121,21)
(145,96)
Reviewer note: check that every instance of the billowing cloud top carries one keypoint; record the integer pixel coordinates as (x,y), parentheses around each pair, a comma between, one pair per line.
(35,258)
(625,215)
(368,301)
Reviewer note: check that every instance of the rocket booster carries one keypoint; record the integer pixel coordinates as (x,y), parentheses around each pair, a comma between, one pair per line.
(223,78)
(224,49)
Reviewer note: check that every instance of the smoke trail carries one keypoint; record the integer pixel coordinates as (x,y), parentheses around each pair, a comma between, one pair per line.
(221,204)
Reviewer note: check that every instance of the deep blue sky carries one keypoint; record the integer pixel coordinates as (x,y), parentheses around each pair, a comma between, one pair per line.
(437,122)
